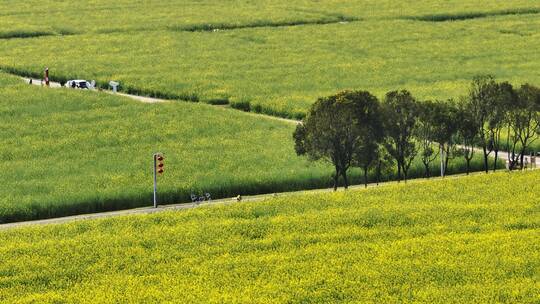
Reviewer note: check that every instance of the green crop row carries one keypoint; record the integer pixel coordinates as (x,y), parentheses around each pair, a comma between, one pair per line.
(102,16)
(466,240)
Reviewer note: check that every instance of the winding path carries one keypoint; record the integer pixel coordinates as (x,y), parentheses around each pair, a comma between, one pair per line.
(146,99)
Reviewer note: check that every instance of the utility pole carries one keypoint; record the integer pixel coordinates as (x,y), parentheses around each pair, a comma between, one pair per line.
(442,160)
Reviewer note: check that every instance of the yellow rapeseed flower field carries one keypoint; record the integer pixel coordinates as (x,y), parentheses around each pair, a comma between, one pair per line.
(459,240)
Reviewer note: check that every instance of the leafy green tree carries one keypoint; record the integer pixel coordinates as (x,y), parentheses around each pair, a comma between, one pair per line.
(481,94)
(369,123)
(523,124)
(501,102)
(400,110)
(446,128)
(425,133)
(336,128)
(467,133)
(384,163)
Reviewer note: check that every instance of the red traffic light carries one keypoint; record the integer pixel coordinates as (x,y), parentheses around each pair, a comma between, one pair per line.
(159,163)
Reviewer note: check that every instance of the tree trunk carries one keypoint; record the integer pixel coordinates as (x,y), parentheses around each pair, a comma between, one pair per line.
(344,174)
(446,159)
(404,174)
(441,152)
(521,159)
(399,171)
(336,178)
(379,164)
(495,163)
(427,173)
(365,176)
(486,168)
(468,160)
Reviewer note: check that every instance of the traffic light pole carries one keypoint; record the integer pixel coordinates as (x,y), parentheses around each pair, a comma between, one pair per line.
(155,181)
(158,169)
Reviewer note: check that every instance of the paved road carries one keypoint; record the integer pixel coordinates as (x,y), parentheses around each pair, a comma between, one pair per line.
(177,207)
(150,210)
(504,156)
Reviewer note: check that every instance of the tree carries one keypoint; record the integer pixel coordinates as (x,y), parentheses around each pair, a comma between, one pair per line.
(481,93)
(367,156)
(523,124)
(369,119)
(384,163)
(446,127)
(467,133)
(502,99)
(400,110)
(334,128)
(425,133)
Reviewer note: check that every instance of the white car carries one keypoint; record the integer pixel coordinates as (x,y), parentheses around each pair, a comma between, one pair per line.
(80,84)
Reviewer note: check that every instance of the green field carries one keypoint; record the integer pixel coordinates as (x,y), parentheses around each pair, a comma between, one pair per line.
(466,240)
(276,70)
(66,152)
(101,16)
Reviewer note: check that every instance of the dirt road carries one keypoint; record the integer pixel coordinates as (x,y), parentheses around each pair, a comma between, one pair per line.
(146,99)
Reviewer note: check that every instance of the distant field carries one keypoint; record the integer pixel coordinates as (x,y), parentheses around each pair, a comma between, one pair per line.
(276,70)
(65,152)
(69,17)
(466,240)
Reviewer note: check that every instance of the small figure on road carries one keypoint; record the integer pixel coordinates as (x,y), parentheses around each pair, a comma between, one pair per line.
(30,81)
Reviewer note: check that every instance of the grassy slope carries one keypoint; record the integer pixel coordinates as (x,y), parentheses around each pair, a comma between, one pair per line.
(65,151)
(472,239)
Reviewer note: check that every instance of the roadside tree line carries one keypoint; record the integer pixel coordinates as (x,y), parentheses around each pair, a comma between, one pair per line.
(355,129)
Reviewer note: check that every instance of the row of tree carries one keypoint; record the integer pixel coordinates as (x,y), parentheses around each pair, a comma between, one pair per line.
(355,129)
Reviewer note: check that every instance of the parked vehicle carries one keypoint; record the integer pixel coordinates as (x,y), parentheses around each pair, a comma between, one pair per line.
(80,84)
